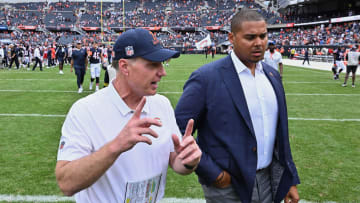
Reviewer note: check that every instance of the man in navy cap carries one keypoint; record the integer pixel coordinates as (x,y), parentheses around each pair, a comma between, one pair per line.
(117,143)
(79,62)
(273,58)
(61,57)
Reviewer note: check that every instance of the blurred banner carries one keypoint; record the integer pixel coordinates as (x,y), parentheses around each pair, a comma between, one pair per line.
(203,43)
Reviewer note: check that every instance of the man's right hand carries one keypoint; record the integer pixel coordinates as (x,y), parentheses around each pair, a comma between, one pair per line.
(223,180)
(133,131)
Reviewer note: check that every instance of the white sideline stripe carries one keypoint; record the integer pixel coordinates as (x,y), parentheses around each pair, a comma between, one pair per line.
(315,94)
(54,198)
(30,115)
(162,81)
(68,91)
(304,82)
(35,198)
(30,72)
(296,82)
(290,118)
(32,79)
(51,91)
(326,119)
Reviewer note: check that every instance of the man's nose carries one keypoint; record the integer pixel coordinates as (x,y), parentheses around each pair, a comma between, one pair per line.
(162,71)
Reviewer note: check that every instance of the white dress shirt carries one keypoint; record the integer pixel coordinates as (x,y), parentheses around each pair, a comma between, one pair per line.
(263,108)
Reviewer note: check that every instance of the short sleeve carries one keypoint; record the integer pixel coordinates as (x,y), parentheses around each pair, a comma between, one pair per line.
(74,142)
(280,58)
(173,125)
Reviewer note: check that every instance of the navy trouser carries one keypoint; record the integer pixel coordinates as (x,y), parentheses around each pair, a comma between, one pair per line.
(37,61)
(16,60)
(80,73)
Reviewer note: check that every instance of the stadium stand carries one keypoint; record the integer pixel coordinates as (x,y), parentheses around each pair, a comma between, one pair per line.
(177,23)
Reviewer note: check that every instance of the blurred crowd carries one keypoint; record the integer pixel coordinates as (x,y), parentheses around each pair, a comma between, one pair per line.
(178,14)
(331,34)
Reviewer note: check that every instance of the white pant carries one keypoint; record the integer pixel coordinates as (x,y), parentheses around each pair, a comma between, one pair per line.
(340,65)
(26,60)
(95,70)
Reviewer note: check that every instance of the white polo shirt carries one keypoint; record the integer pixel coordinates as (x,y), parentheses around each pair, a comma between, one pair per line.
(273,59)
(138,174)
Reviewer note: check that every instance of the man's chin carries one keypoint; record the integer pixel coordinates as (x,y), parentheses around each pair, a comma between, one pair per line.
(151,92)
(256,59)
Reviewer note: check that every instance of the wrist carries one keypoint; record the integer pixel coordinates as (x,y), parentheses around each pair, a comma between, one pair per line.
(189,167)
(114,148)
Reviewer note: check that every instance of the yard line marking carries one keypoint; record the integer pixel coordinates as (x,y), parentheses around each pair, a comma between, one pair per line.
(35,198)
(309,69)
(295,82)
(32,72)
(326,119)
(305,82)
(69,91)
(55,198)
(318,94)
(164,81)
(50,91)
(31,115)
(28,79)
(170,92)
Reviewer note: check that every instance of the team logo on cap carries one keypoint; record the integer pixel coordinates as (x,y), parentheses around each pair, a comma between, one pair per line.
(129,51)
(155,41)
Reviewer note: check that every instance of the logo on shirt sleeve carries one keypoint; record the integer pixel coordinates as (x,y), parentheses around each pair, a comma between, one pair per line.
(62,144)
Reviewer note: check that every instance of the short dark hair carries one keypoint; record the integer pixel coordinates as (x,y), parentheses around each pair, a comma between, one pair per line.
(243,16)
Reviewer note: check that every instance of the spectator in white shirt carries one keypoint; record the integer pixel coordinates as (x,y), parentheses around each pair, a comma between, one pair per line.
(273,58)
(37,56)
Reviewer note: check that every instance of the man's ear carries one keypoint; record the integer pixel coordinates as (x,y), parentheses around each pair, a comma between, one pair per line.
(231,37)
(124,66)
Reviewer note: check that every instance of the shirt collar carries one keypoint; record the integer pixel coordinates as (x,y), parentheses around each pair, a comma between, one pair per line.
(240,67)
(121,105)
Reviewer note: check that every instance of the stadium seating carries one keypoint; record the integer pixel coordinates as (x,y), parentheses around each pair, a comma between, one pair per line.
(182,16)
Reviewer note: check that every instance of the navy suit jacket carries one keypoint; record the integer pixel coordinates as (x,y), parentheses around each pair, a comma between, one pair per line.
(214,98)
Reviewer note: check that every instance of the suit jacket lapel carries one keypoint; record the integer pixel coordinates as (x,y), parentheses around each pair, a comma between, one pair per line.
(232,83)
(276,84)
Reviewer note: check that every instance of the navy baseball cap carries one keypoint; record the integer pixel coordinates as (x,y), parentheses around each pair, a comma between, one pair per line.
(141,43)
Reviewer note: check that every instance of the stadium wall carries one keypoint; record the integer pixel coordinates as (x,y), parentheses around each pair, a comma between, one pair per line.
(52,1)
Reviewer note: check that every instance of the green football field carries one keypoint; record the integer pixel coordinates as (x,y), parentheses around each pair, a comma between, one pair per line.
(324,124)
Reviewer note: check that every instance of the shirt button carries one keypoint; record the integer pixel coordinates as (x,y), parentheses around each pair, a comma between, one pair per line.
(254,149)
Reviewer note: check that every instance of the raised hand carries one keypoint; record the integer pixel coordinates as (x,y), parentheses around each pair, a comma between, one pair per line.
(131,134)
(187,150)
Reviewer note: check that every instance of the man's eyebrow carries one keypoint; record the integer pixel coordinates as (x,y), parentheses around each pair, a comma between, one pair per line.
(250,34)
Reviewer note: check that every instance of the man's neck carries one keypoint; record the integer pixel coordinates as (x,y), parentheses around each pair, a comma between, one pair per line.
(130,98)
